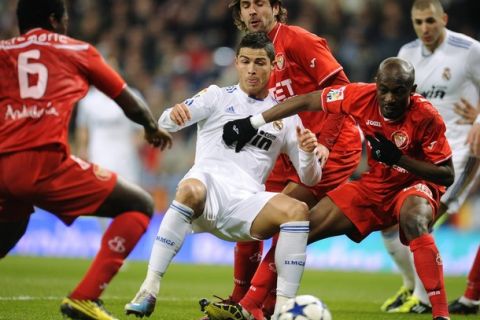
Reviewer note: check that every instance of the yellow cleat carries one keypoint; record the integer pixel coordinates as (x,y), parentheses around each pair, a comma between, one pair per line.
(224,311)
(84,310)
(412,305)
(396,300)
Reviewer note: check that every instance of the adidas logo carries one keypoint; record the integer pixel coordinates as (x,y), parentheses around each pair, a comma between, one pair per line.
(230,109)
(419,309)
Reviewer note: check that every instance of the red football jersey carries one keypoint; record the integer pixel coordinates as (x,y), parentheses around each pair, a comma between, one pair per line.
(43,75)
(420,134)
(304,63)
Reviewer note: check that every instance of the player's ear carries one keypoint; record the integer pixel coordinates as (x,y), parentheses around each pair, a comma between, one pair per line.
(53,21)
(414,89)
(445,19)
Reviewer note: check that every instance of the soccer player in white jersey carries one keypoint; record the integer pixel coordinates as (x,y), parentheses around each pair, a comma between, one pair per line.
(447,72)
(106,137)
(223,193)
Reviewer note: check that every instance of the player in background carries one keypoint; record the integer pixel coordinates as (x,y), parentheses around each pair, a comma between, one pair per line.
(469,302)
(410,166)
(44,73)
(104,135)
(447,66)
(303,63)
(224,193)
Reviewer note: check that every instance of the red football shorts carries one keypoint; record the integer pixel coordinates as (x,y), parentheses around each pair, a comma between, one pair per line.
(370,211)
(339,168)
(50,179)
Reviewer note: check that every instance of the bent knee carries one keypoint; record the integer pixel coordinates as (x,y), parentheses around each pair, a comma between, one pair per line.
(192,193)
(416,217)
(295,211)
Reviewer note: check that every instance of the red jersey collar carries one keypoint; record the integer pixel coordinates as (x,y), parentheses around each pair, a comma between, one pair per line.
(274,32)
(36,30)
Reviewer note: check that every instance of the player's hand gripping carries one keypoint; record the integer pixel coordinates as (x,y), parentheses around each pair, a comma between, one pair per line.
(383,150)
(473,139)
(158,137)
(180,114)
(240,131)
(466,110)
(307,141)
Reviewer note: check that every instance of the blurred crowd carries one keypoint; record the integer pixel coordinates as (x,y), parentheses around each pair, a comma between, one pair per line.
(170,49)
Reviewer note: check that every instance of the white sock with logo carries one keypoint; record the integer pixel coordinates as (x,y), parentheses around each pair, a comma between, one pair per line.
(402,257)
(175,226)
(290,257)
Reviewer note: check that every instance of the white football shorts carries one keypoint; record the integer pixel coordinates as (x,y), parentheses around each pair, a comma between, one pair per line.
(231,206)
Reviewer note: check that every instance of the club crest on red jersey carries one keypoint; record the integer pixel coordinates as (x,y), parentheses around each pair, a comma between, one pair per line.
(280,61)
(400,138)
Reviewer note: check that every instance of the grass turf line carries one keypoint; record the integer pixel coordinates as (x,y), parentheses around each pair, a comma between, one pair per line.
(32,288)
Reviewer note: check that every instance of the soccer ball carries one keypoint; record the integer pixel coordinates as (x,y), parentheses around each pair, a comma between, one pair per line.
(304,307)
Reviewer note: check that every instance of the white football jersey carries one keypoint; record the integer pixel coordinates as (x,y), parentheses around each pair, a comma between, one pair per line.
(212,108)
(111,135)
(451,72)
(445,76)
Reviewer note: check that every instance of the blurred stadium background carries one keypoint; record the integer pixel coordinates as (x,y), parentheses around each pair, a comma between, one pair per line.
(170,49)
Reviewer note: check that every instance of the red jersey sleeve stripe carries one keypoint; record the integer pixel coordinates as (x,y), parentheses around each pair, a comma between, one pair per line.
(329,75)
(443,160)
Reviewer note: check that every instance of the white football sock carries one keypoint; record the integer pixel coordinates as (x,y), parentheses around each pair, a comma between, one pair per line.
(176,224)
(402,257)
(290,256)
(420,291)
(469,302)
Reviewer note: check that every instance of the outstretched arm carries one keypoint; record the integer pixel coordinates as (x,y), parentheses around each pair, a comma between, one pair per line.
(306,102)
(240,132)
(137,111)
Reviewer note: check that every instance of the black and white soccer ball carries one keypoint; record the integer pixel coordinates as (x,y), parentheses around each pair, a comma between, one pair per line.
(305,307)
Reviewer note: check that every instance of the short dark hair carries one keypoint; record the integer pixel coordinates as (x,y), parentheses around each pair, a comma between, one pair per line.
(425,4)
(36,13)
(235,5)
(257,40)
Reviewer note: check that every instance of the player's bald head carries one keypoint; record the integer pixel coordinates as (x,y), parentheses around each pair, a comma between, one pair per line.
(398,69)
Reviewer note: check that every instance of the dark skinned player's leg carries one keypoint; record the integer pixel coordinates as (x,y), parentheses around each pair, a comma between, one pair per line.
(416,216)
(131,209)
(10,234)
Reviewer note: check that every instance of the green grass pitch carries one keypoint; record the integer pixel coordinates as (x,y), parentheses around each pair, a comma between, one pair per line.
(32,288)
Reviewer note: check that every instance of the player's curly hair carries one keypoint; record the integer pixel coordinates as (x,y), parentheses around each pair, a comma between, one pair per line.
(235,5)
(35,13)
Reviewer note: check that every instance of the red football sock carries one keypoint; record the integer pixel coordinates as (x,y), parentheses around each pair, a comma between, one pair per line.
(269,303)
(430,270)
(247,258)
(118,241)
(263,282)
(473,286)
